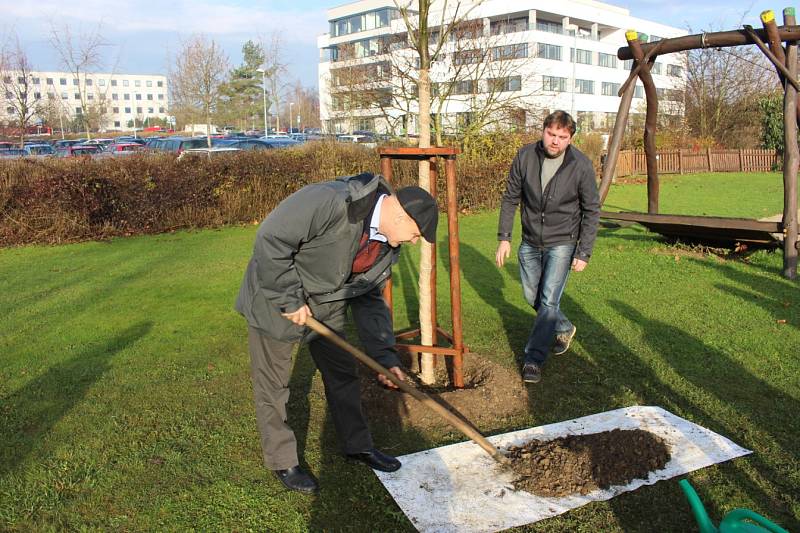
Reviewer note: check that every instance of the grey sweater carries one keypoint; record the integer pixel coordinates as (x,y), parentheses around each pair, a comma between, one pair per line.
(566,211)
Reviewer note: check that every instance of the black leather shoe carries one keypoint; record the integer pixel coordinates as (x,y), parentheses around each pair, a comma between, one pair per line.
(376,459)
(296,478)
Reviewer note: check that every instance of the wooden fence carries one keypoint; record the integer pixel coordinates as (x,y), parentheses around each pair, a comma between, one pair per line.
(633,162)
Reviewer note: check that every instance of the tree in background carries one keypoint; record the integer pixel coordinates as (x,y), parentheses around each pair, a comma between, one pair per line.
(241,101)
(82,56)
(306,105)
(274,72)
(771,107)
(197,78)
(723,91)
(16,83)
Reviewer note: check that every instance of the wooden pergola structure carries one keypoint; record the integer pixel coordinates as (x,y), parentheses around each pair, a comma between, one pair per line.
(456,349)
(785,61)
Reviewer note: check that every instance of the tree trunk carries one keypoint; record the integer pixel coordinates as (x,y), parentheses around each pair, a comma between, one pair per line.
(425,326)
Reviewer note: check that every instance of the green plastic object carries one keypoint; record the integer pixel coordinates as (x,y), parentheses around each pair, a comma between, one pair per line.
(737,521)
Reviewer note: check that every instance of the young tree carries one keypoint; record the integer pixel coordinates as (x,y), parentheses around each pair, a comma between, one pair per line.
(274,73)
(428,50)
(82,56)
(199,73)
(16,84)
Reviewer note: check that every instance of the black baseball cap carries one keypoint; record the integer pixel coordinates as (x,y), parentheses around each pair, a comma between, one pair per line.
(420,206)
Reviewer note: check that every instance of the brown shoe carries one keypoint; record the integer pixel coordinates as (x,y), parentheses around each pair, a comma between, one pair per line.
(563,340)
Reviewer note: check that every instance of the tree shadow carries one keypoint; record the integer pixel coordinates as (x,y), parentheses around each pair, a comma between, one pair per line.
(29,414)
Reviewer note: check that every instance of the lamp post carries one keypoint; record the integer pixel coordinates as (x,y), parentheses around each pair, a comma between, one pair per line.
(264,90)
(574,29)
(291,121)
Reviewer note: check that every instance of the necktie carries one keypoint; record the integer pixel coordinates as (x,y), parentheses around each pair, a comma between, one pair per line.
(367,254)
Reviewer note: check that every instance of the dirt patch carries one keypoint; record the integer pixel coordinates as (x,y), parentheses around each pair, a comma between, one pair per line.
(491,394)
(583,463)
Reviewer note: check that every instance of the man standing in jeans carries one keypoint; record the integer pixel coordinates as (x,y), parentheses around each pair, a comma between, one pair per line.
(554,182)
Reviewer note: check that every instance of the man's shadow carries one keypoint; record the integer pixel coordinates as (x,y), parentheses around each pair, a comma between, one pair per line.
(28,415)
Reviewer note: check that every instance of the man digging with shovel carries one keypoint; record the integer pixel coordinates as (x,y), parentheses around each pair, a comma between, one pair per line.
(325,248)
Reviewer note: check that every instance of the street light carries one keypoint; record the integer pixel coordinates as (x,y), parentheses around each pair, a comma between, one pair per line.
(290,117)
(574,29)
(264,90)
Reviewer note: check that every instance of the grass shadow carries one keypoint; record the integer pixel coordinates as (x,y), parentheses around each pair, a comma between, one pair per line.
(29,414)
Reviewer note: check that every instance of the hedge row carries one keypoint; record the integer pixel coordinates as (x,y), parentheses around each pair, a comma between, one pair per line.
(67,200)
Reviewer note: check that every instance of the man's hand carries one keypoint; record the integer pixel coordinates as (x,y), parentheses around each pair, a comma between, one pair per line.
(503,252)
(399,374)
(299,317)
(578,264)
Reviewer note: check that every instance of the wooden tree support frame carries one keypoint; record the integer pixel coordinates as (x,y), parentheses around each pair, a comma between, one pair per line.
(769,40)
(457,348)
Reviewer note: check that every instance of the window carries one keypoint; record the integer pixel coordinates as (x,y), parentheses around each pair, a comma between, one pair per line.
(101,83)
(115,110)
(660,93)
(610,89)
(150,110)
(553,83)
(126,96)
(466,57)
(116,124)
(550,27)
(160,109)
(90,96)
(36,81)
(365,21)
(62,81)
(77,96)
(125,83)
(10,110)
(64,96)
(113,83)
(584,86)
(674,71)
(149,96)
(159,83)
(149,83)
(137,83)
(138,110)
(78,110)
(49,81)
(656,68)
(627,64)
(607,60)
(89,82)
(128,110)
(506,84)
(114,96)
(500,27)
(580,56)
(638,92)
(511,51)
(75,82)
(464,87)
(160,96)
(549,51)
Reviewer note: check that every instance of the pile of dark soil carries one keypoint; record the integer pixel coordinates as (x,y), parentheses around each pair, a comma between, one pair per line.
(583,463)
(491,395)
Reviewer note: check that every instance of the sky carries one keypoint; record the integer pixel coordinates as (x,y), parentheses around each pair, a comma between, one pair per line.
(144,34)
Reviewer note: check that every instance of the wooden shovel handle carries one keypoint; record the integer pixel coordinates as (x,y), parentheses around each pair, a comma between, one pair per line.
(426,400)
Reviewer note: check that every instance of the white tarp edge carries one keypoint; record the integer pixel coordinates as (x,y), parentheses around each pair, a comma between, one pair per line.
(459,488)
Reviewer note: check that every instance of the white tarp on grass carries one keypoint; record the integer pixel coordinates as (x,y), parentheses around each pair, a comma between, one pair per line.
(459,488)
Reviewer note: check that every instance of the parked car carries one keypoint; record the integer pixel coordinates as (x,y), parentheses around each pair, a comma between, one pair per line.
(124,147)
(77,150)
(40,150)
(58,145)
(179,144)
(363,140)
(249,144)
(207,152)
(281,142)
(5,145)
(12,153)
(126,139)
(102,143)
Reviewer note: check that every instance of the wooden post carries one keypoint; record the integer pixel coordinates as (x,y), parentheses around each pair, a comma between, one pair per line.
(616,141)
(708,155)
(680,160)
(455,271)
(386,170)
(434,323)
(741,160)
(650,121)
(791,158)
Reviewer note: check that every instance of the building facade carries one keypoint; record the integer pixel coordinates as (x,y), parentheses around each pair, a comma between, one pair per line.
(109,102)
(508,63)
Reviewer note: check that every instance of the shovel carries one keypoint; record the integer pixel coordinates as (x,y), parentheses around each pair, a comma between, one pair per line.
(469,431)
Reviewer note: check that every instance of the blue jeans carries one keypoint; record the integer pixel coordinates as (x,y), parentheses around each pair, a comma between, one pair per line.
(544,273)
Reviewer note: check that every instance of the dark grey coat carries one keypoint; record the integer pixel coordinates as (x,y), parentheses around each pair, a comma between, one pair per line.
(567,211)
(303,254)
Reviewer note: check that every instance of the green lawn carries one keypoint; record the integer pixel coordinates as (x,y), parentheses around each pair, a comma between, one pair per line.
(125,400)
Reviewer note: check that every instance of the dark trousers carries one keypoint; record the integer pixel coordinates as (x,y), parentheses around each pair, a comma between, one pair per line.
(271,365)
